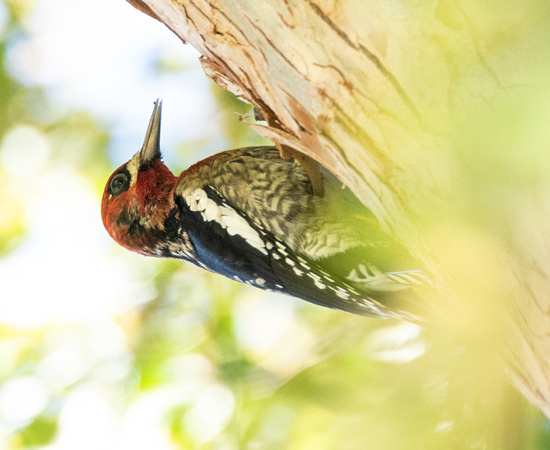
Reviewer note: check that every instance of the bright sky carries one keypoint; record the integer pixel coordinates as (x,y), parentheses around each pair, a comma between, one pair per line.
(95,56)
(98,55)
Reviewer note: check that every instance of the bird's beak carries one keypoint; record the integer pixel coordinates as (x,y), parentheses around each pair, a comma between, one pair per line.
(150,151)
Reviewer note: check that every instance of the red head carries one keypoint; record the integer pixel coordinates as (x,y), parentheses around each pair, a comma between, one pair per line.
(136,200)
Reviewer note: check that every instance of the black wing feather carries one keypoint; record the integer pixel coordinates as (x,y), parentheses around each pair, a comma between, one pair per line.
(277,269)
(227,255)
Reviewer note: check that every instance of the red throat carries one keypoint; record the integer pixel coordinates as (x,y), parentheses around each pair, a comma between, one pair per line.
(149,197)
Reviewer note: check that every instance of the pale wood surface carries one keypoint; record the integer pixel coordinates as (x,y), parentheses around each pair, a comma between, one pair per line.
(395,98)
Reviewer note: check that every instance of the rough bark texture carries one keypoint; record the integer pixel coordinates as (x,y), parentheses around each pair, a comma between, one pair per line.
(403,101)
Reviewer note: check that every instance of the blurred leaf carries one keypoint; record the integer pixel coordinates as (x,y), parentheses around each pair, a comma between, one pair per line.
(39,432)
(233,117)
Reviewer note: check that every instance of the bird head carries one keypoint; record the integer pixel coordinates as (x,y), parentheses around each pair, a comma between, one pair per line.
(136,200)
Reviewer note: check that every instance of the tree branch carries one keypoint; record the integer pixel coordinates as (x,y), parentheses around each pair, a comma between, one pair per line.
(407,105)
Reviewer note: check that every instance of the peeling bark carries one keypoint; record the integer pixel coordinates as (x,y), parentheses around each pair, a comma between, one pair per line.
(398,101)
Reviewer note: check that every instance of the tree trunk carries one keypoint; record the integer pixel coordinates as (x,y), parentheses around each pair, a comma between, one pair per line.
(434,114)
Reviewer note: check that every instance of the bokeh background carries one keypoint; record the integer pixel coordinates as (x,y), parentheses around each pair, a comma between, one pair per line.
(103,349)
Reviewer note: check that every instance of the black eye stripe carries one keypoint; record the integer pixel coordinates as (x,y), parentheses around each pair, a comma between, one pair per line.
(120,182)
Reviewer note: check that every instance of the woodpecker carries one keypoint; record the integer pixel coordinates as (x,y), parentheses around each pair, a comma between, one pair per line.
(253,217)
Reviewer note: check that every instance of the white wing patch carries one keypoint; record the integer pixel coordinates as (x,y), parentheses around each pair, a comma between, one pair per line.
(226,217)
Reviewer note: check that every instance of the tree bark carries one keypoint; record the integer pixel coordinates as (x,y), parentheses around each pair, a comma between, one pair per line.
(432,113)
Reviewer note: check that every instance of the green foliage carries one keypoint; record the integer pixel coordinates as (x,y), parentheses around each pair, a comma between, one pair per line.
(234,118)
(39,432)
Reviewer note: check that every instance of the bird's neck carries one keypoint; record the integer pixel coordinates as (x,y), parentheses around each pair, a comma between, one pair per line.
(141,220)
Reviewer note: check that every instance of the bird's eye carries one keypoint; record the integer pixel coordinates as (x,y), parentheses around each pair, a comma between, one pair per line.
(119,183)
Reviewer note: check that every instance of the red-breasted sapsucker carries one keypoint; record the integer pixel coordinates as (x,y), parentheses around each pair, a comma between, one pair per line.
(252,216)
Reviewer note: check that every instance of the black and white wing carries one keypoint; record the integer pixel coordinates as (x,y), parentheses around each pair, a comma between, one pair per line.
(229,243)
